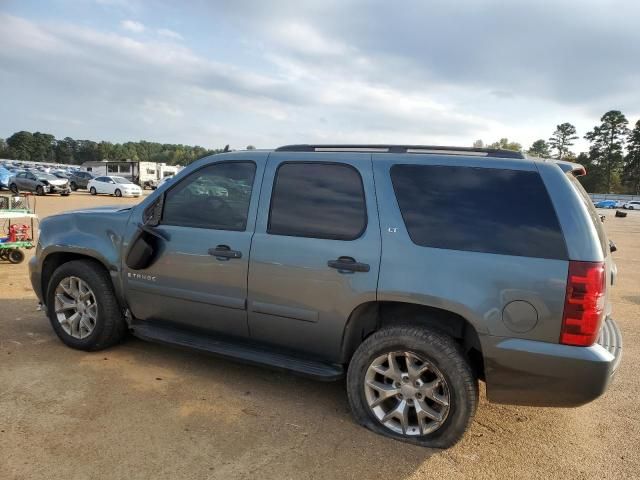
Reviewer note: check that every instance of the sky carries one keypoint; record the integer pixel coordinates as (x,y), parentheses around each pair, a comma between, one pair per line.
(270,73)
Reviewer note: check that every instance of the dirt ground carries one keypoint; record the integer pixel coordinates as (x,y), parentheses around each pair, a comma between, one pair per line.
(145,411)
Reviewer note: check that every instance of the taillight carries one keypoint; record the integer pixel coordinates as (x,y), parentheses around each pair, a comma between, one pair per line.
(583,304)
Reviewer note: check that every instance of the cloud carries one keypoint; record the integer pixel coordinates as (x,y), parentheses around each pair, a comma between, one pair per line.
(132,26)
(165,32)
(287,71)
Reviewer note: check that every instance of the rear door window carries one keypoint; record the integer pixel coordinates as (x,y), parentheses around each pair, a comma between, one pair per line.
(318,200)
(488,210)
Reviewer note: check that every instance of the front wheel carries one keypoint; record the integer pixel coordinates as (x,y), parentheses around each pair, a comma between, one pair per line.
(40,190)
(412,384)
(117,193)
(14,188)
(93,191)
(73,186)
(82,306)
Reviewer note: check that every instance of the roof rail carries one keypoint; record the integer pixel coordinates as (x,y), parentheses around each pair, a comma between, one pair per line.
(375,148)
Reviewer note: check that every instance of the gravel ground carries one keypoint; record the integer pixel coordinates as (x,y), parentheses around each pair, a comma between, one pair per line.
(147,411)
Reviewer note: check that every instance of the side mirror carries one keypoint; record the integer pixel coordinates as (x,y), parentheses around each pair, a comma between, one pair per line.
(153,213)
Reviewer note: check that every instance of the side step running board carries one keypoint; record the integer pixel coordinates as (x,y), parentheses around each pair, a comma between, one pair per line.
(238,351)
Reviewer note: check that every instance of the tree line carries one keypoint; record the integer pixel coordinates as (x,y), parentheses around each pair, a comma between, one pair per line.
(44,147)
(613,159)
(612,162)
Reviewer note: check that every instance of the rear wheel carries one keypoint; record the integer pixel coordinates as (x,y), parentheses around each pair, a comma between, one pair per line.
(412,384)
(117,193)
(82,307)
(14,188)
(16,256)
(73,186)
(93,191)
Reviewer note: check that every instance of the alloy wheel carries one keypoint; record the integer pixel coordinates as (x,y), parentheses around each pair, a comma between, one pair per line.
(76,307)
(406,393)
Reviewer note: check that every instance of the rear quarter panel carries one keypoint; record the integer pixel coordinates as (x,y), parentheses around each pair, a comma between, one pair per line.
(476,286)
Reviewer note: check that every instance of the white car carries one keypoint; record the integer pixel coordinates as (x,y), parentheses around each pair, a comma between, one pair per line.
(632,205)
(118,186)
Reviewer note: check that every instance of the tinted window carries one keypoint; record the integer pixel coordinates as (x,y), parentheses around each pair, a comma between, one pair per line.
(488,210)
(216,196)
(319,200)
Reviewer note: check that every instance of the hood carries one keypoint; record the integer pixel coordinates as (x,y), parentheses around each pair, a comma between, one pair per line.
(58,181)
(105,209)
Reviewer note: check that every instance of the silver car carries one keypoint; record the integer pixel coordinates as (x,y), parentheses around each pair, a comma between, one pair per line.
(40,183)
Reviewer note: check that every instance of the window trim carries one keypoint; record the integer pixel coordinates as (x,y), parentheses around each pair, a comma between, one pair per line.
(322,162)
(565,255)
(208,165)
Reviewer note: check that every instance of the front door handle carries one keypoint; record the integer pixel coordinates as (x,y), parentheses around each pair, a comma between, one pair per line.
(348,264)
(224,252)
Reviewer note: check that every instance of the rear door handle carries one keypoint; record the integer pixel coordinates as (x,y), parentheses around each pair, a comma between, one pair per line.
(348,264)
(223,251)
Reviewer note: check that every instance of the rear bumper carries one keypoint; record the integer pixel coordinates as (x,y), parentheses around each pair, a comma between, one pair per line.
(525,372)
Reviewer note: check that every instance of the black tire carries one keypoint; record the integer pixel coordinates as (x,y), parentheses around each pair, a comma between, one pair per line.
(4,254)
(442,352)
(73,186)
(40,190)
(117,193)
(93,191)
(16,256)
(14,188)
(110,327)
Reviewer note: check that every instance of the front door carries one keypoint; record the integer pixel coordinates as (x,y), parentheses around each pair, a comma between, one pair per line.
(316,251)
(199,279)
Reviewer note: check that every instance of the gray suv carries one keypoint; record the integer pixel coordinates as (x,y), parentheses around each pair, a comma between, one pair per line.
(412,271)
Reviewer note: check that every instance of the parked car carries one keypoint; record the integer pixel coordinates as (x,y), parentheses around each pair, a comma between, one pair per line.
(608,204)
(632,205)
(5,175)
(79,179)
(118,186)
(413,271)
(39,182)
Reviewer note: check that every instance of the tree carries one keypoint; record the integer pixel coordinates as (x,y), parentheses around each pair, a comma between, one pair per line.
(20,145)
(478,144)
(65,150)
(631,170)
(505,144)
(562,139)
(42,149)
(539,148)
(594,181)
(250,147)
(607,140)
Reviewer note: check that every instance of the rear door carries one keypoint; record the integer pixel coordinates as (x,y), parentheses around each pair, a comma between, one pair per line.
(316,251)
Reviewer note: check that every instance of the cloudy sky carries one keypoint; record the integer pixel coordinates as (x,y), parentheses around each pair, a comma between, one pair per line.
(275,72)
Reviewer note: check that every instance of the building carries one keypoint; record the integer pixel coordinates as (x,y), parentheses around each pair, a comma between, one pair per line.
(145,174)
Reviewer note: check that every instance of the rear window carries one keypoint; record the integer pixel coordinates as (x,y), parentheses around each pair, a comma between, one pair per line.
(593,213)
(488,210)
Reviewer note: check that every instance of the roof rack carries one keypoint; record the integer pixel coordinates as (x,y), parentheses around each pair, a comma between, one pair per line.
(432,149)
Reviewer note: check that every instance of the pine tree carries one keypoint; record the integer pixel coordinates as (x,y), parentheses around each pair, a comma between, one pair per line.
(562,139)
(631,170)
(607,140)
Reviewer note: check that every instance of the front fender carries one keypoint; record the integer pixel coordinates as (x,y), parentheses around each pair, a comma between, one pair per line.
(90,234)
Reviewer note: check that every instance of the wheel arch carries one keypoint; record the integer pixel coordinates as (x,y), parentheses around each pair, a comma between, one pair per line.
(55,259)
(370,317)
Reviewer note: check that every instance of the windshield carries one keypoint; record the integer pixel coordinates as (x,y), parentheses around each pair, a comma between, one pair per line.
(120,180)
